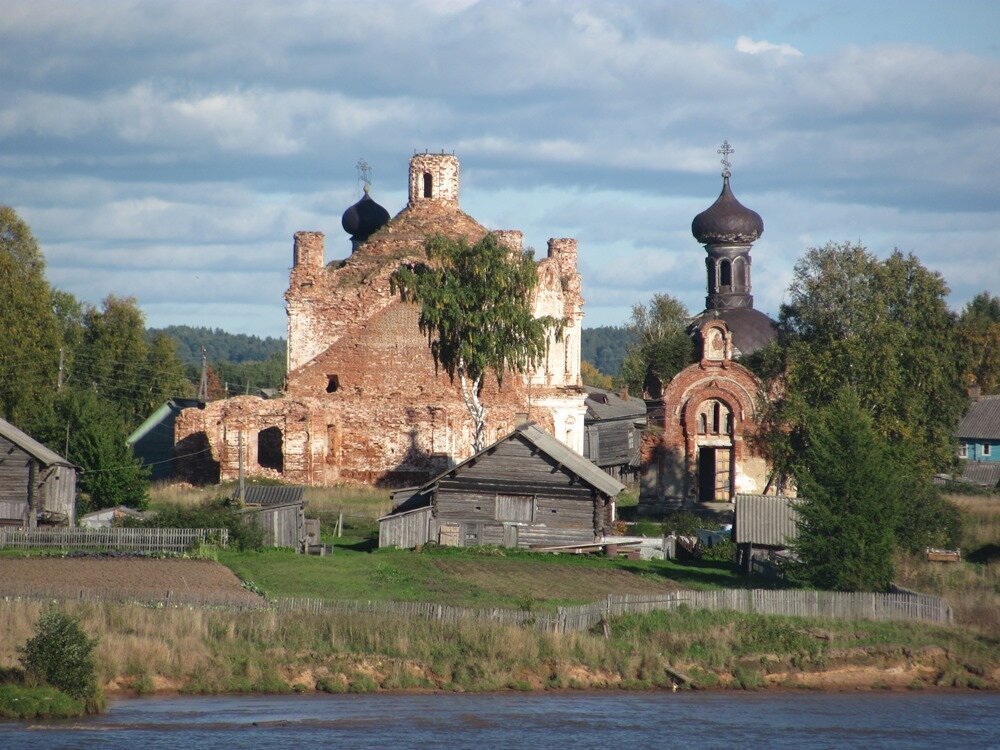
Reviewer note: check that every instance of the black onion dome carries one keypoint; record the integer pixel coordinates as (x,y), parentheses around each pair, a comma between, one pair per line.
(364,218)
(751,329)
(727,221)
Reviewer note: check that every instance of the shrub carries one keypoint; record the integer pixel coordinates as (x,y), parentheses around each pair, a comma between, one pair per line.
(220,513)
(61,655)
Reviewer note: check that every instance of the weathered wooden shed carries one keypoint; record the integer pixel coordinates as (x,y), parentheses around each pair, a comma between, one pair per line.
(37,485)
(614,424)
(763,525)
(279,510)
(526,490)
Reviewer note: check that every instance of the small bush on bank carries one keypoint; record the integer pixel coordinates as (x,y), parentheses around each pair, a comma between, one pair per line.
(61,655)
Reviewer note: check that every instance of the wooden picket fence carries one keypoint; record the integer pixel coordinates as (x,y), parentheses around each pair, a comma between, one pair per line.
(115,538)
(822,604)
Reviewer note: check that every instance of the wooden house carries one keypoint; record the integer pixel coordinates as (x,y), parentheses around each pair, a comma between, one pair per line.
(279,510)
(37,485)
(614,424)
(763,527)
(526,490)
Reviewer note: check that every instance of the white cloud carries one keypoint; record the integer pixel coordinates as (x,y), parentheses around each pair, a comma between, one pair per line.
(748,46)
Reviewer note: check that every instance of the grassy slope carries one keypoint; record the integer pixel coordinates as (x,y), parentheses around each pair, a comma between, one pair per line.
(211,651)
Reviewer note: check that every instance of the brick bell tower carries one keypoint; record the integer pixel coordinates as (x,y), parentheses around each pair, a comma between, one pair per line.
(434,179)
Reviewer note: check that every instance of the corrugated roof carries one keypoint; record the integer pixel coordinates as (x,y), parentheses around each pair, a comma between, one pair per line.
(983,473)
(765,519)
(982,421)
(31,446)
(272,494)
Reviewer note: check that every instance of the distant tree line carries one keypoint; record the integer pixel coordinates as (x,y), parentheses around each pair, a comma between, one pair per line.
(604,347)
(219,345)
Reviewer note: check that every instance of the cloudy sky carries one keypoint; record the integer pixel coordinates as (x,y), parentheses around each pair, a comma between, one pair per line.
(169,150)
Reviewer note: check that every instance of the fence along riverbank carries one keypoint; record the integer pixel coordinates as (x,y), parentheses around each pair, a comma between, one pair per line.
(822,604)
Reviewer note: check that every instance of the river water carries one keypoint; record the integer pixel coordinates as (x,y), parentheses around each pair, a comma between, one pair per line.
(550,720)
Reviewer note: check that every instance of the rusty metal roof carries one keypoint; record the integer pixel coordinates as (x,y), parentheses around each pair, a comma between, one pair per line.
(768,520)
(982,421)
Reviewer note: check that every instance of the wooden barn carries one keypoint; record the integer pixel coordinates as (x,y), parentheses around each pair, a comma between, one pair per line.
(37,485)
(279,510)
(763,528)
(614,424)
(526,490)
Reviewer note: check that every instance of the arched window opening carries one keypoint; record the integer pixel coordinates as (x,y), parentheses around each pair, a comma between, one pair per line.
(725,273)
(740,268)
(711,278)
(269,449)
(716,421)
(727,422)
(702,423)
(428,184)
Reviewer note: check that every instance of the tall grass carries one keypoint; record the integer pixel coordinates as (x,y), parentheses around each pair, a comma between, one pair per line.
(210,651)
(972,587)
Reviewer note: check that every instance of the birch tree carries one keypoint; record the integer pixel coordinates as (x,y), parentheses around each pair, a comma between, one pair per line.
(475,309)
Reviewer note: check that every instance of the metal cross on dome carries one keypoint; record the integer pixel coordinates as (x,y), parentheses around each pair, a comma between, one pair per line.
(726,150)
(364,173)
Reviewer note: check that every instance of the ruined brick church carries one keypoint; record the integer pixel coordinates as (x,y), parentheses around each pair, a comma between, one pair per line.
(362,399)
(700,445)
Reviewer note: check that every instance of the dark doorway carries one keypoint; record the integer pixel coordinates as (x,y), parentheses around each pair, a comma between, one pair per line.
(269,449)
(706,475)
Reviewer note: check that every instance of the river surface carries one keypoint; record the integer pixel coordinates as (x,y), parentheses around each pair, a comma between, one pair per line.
(551,720)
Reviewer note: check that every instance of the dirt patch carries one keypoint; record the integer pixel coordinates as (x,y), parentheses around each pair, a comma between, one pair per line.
(183,581)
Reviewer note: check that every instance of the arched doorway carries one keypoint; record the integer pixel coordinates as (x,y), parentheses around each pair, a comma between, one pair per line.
(714,443)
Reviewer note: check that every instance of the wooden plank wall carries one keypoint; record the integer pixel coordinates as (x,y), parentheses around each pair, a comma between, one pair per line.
(55,488)
(283,525)
(494,491)
(408,529)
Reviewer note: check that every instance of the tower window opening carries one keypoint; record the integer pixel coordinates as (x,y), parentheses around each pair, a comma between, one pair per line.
(711,278)
(332,383)
(725,273)
(740,267)
(428,184)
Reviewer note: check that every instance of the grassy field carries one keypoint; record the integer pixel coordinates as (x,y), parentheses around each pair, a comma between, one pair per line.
(972,587)
(473,577)
(144,650)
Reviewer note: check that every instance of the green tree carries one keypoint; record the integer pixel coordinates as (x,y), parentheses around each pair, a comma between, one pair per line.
(90,430)
(851,500)
(29,362)
(979,336)
(659,345)
(882,329)
(116,360)
(62,655)
(475,309)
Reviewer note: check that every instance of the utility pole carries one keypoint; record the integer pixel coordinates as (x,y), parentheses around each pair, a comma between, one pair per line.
(242,488)
(62,365)
(203,386)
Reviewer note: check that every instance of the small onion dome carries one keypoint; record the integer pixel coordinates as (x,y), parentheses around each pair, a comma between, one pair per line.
(364,218)
(727,221)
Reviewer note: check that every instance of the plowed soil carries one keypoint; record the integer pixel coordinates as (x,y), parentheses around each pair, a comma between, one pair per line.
(190,581)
